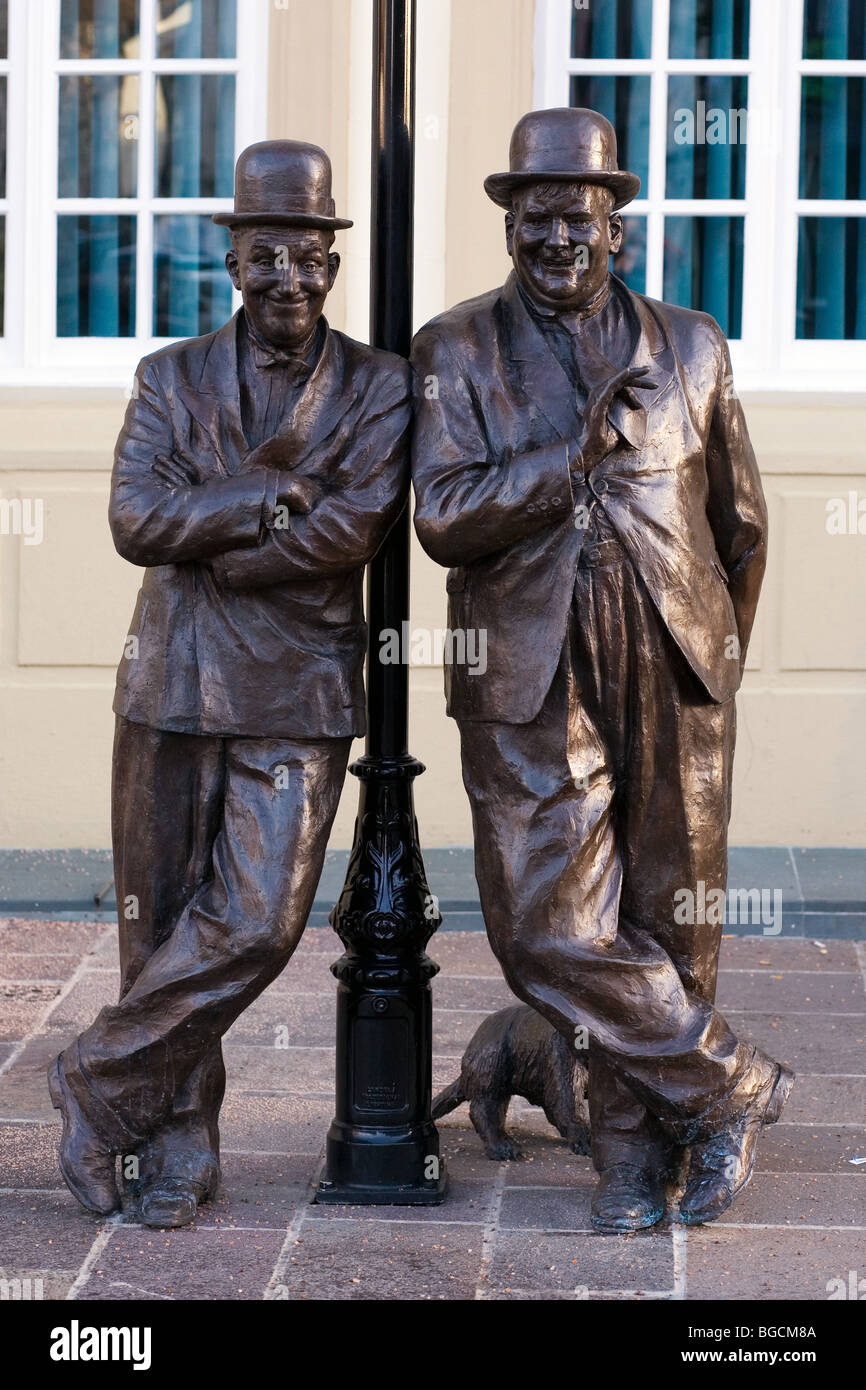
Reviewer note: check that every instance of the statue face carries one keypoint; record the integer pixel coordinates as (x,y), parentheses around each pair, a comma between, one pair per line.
(560,236)
(284,275)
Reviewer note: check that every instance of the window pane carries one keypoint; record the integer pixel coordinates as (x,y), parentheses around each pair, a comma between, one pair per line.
(614,29)
(95,277)
(4,28)
(703,267)
(99,29)
(98,130)
(831,277)
(833,138)
(707,121)
(192,291)
(2,275)
(630,264)
(197,29)
(195,136)
(834,29)
(709,29)
(625,101)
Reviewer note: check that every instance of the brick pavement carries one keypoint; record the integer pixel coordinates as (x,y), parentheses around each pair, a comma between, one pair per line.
(506,1231)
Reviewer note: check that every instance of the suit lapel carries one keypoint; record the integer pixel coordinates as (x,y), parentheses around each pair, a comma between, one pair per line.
(214,400)
(308,417)
(628,410)
(548,387)
(542,375)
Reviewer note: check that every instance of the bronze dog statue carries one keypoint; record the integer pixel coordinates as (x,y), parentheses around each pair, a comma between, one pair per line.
(516,1052)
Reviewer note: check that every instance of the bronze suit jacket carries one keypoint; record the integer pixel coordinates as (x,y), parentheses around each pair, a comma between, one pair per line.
(242,629)
(494,409)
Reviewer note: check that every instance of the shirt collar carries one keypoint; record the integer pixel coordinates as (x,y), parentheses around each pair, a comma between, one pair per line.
(264,355)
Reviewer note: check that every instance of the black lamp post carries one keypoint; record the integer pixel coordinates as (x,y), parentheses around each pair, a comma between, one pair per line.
(382,1146)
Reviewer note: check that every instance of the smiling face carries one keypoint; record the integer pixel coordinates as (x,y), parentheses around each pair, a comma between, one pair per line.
(284,275)
(560,237)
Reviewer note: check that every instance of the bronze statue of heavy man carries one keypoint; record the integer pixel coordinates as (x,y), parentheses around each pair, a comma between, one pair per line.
(582,464)
(258,470)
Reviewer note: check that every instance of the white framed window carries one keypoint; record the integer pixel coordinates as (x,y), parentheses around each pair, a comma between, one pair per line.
(746,121)
(126,117)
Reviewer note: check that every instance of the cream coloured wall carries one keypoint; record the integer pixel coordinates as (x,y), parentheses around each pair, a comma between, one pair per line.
(65,605)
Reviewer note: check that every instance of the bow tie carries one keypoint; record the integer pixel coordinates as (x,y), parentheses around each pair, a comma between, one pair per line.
(263,356)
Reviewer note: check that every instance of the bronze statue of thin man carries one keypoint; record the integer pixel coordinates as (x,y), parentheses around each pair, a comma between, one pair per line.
(258,470)
(585,469)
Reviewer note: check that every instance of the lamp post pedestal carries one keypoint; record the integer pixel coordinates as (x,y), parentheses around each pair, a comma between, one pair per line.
(382,1147)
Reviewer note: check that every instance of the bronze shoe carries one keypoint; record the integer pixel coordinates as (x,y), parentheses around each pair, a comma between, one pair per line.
(169,1202)
(86,1161)
(628,1198)
(722,1165)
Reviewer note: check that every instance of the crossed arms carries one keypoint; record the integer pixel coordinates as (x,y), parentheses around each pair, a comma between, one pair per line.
(268,523)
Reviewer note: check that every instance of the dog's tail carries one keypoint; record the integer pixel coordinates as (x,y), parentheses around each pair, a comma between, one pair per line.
(448,1100)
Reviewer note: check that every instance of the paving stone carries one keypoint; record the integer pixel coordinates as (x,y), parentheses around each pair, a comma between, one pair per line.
(802,990)
(456,992)
(319,941)
(550,1208)
(50,938)
(45,1284)
(77,1010)
(260,1190)
(45,1230)
(28,1155)
(751,953)
(726,1264)
(19,965)
(384,1260)
(297,1071)
(470,1191)
(548,1162)
(786,1148)
(832,878)
(275,1124)
(825,926)
(453,1028)
(22,1008)
(537,1260)
(189,1264)
(24,1087)
(763,867)
(789,1199)
(463,952)
(307,974)
(807,1042)
(827,1098)
(309,1018)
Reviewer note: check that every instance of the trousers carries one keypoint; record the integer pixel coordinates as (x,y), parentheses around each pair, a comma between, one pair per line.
(218,848)
(587,821)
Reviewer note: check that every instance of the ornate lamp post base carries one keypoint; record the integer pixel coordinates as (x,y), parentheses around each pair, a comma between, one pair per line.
(382,1147)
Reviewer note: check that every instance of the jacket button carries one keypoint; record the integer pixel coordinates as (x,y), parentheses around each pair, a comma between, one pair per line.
(543,506)
(556,501)
(531,507)
(601,487)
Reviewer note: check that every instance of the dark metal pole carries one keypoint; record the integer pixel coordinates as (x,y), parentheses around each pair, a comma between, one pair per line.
(382,1146)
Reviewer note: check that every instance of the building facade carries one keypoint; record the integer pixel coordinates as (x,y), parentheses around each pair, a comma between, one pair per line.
(122,119)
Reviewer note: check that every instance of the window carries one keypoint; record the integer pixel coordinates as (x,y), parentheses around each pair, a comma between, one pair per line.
(133,114)
(746,122)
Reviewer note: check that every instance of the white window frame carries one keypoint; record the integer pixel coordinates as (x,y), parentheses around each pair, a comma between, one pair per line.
(768,356)
(31,353)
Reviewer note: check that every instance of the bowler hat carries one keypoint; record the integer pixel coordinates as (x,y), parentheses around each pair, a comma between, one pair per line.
(283,183)
(567,144)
